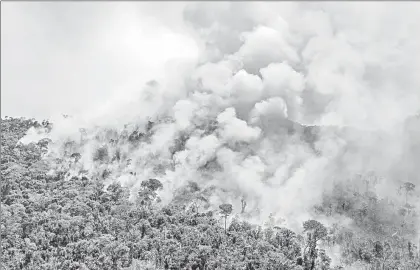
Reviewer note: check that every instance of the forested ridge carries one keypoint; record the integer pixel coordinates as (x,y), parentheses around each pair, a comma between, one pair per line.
(51,222)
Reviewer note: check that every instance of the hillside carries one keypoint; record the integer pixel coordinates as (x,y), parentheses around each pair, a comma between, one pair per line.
(53,219)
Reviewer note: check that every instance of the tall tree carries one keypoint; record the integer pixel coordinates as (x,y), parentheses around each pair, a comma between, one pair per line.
(315,232)
(408,187)
(226,210)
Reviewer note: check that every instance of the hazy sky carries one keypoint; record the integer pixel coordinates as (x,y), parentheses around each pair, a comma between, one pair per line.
(66,57)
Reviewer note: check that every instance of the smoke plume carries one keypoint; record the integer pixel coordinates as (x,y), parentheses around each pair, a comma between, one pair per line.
(285,99)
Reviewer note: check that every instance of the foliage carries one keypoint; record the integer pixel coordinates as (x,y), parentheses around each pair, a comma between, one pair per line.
(382,231)
(51,222)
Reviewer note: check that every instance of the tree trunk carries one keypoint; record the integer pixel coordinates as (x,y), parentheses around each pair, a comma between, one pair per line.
(243,202)
(225,223)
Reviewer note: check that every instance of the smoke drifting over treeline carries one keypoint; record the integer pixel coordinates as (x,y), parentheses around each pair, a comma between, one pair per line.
(285,100)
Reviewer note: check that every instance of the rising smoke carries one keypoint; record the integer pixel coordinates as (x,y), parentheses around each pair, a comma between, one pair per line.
(285,99)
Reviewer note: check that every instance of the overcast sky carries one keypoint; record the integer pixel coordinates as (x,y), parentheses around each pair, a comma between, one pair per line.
(66,57)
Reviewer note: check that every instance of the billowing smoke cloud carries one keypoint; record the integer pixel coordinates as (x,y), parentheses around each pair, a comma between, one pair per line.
(285,99)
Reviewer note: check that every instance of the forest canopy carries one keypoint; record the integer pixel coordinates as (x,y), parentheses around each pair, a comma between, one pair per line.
(51,221)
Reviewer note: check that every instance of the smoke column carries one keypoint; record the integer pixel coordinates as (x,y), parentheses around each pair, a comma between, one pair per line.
(285,99)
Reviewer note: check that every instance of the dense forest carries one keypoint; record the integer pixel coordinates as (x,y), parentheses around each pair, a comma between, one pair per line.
(49,221)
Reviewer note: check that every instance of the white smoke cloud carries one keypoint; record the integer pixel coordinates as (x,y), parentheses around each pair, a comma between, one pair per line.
(265,45)
(351,70)
(246,88)
(234,129)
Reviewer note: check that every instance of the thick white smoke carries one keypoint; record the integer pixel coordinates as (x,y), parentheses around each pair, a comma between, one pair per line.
(240,119)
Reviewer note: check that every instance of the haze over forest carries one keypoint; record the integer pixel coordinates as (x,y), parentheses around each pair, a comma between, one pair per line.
(225,135)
